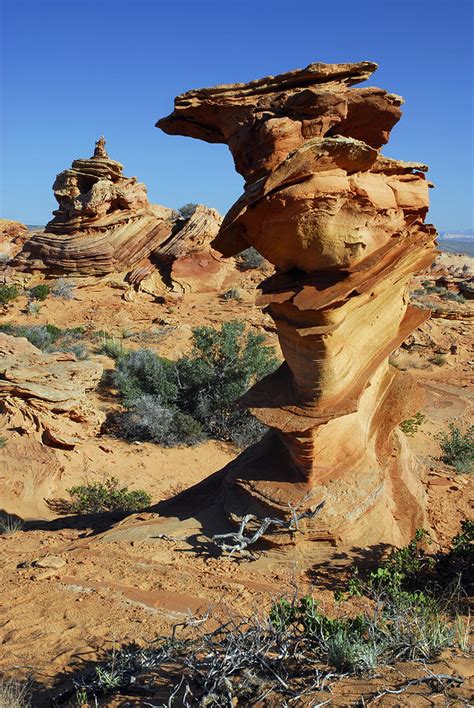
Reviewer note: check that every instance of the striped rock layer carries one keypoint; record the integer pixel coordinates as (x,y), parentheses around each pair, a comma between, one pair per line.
(344,227)
(104,222)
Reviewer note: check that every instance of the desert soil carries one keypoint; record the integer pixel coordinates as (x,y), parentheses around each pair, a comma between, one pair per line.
(108,594)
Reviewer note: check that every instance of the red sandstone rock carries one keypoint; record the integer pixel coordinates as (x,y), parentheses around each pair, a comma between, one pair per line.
(344,227)
(186,260)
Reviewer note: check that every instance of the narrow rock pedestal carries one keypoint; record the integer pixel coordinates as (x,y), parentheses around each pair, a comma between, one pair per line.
(344,227)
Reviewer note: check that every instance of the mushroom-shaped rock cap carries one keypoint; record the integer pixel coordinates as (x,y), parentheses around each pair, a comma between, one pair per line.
(264,120)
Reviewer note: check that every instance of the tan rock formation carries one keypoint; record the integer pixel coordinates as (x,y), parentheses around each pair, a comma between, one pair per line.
(104,222)
(45,394)
(186,261)
(44,409)
(344,227)
(13,234)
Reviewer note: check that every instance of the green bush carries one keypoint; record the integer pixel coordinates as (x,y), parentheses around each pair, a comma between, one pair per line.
(438,359)
(3,441)
(232,294)
(187,210)
(250,259)
(8,293)
(39,292)
(149,420)
(111,347)
(202,387)
(107,496)
(410,425)
(143,372)
(458,448)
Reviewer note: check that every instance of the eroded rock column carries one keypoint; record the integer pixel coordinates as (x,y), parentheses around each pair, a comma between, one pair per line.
(343,226)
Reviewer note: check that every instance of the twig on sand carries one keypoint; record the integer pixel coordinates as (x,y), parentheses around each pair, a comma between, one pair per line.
(239,542)
(437,681)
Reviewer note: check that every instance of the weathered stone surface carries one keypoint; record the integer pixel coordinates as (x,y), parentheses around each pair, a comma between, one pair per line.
(277,114)
(13,234)
(344,227)
(45,394)
(186,261)
(104,222)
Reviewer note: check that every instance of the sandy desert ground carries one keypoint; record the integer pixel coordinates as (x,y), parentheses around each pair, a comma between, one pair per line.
(110,593)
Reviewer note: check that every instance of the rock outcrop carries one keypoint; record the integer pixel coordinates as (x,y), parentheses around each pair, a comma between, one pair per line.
(104,222)
(45,393)
(186,262)
(344,227)
(13,235)
(44,413)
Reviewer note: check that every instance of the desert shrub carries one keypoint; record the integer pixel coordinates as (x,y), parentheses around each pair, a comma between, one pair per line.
(39,292)
(63,289)
(444,293)
(106,496)
(232,294)
(202,387)
(187,210)
(245,658)
(111,347)
(8,293)
(458,448)
(148,420)
(410,425)
(14,694)
(457,565)
(3,441)
(222,366)
(33,308)
(250,259)
(438,359)
(144,372)
(456,297)
(10,525)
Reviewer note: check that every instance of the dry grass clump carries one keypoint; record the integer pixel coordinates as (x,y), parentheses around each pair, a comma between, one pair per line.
(14,694)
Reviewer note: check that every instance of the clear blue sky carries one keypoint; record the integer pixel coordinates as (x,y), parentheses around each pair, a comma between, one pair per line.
(73,69)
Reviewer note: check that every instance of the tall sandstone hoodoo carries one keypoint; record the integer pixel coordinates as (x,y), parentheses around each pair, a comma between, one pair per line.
(344,227)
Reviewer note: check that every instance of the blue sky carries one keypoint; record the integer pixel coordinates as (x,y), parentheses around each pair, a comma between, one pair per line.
(73,69)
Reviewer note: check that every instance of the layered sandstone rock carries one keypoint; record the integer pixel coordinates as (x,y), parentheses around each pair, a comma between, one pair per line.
(187,255)
(45,394)
(104,222)
(186,262)
(344,227)
(45,411)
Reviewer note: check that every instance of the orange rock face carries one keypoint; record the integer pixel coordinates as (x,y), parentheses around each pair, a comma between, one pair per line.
(344,227)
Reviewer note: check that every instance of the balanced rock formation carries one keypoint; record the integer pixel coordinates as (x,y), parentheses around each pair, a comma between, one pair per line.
(104,222)
(344,227)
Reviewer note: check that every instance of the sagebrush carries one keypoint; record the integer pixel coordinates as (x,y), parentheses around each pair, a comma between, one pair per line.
(458,447)
(183,401)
